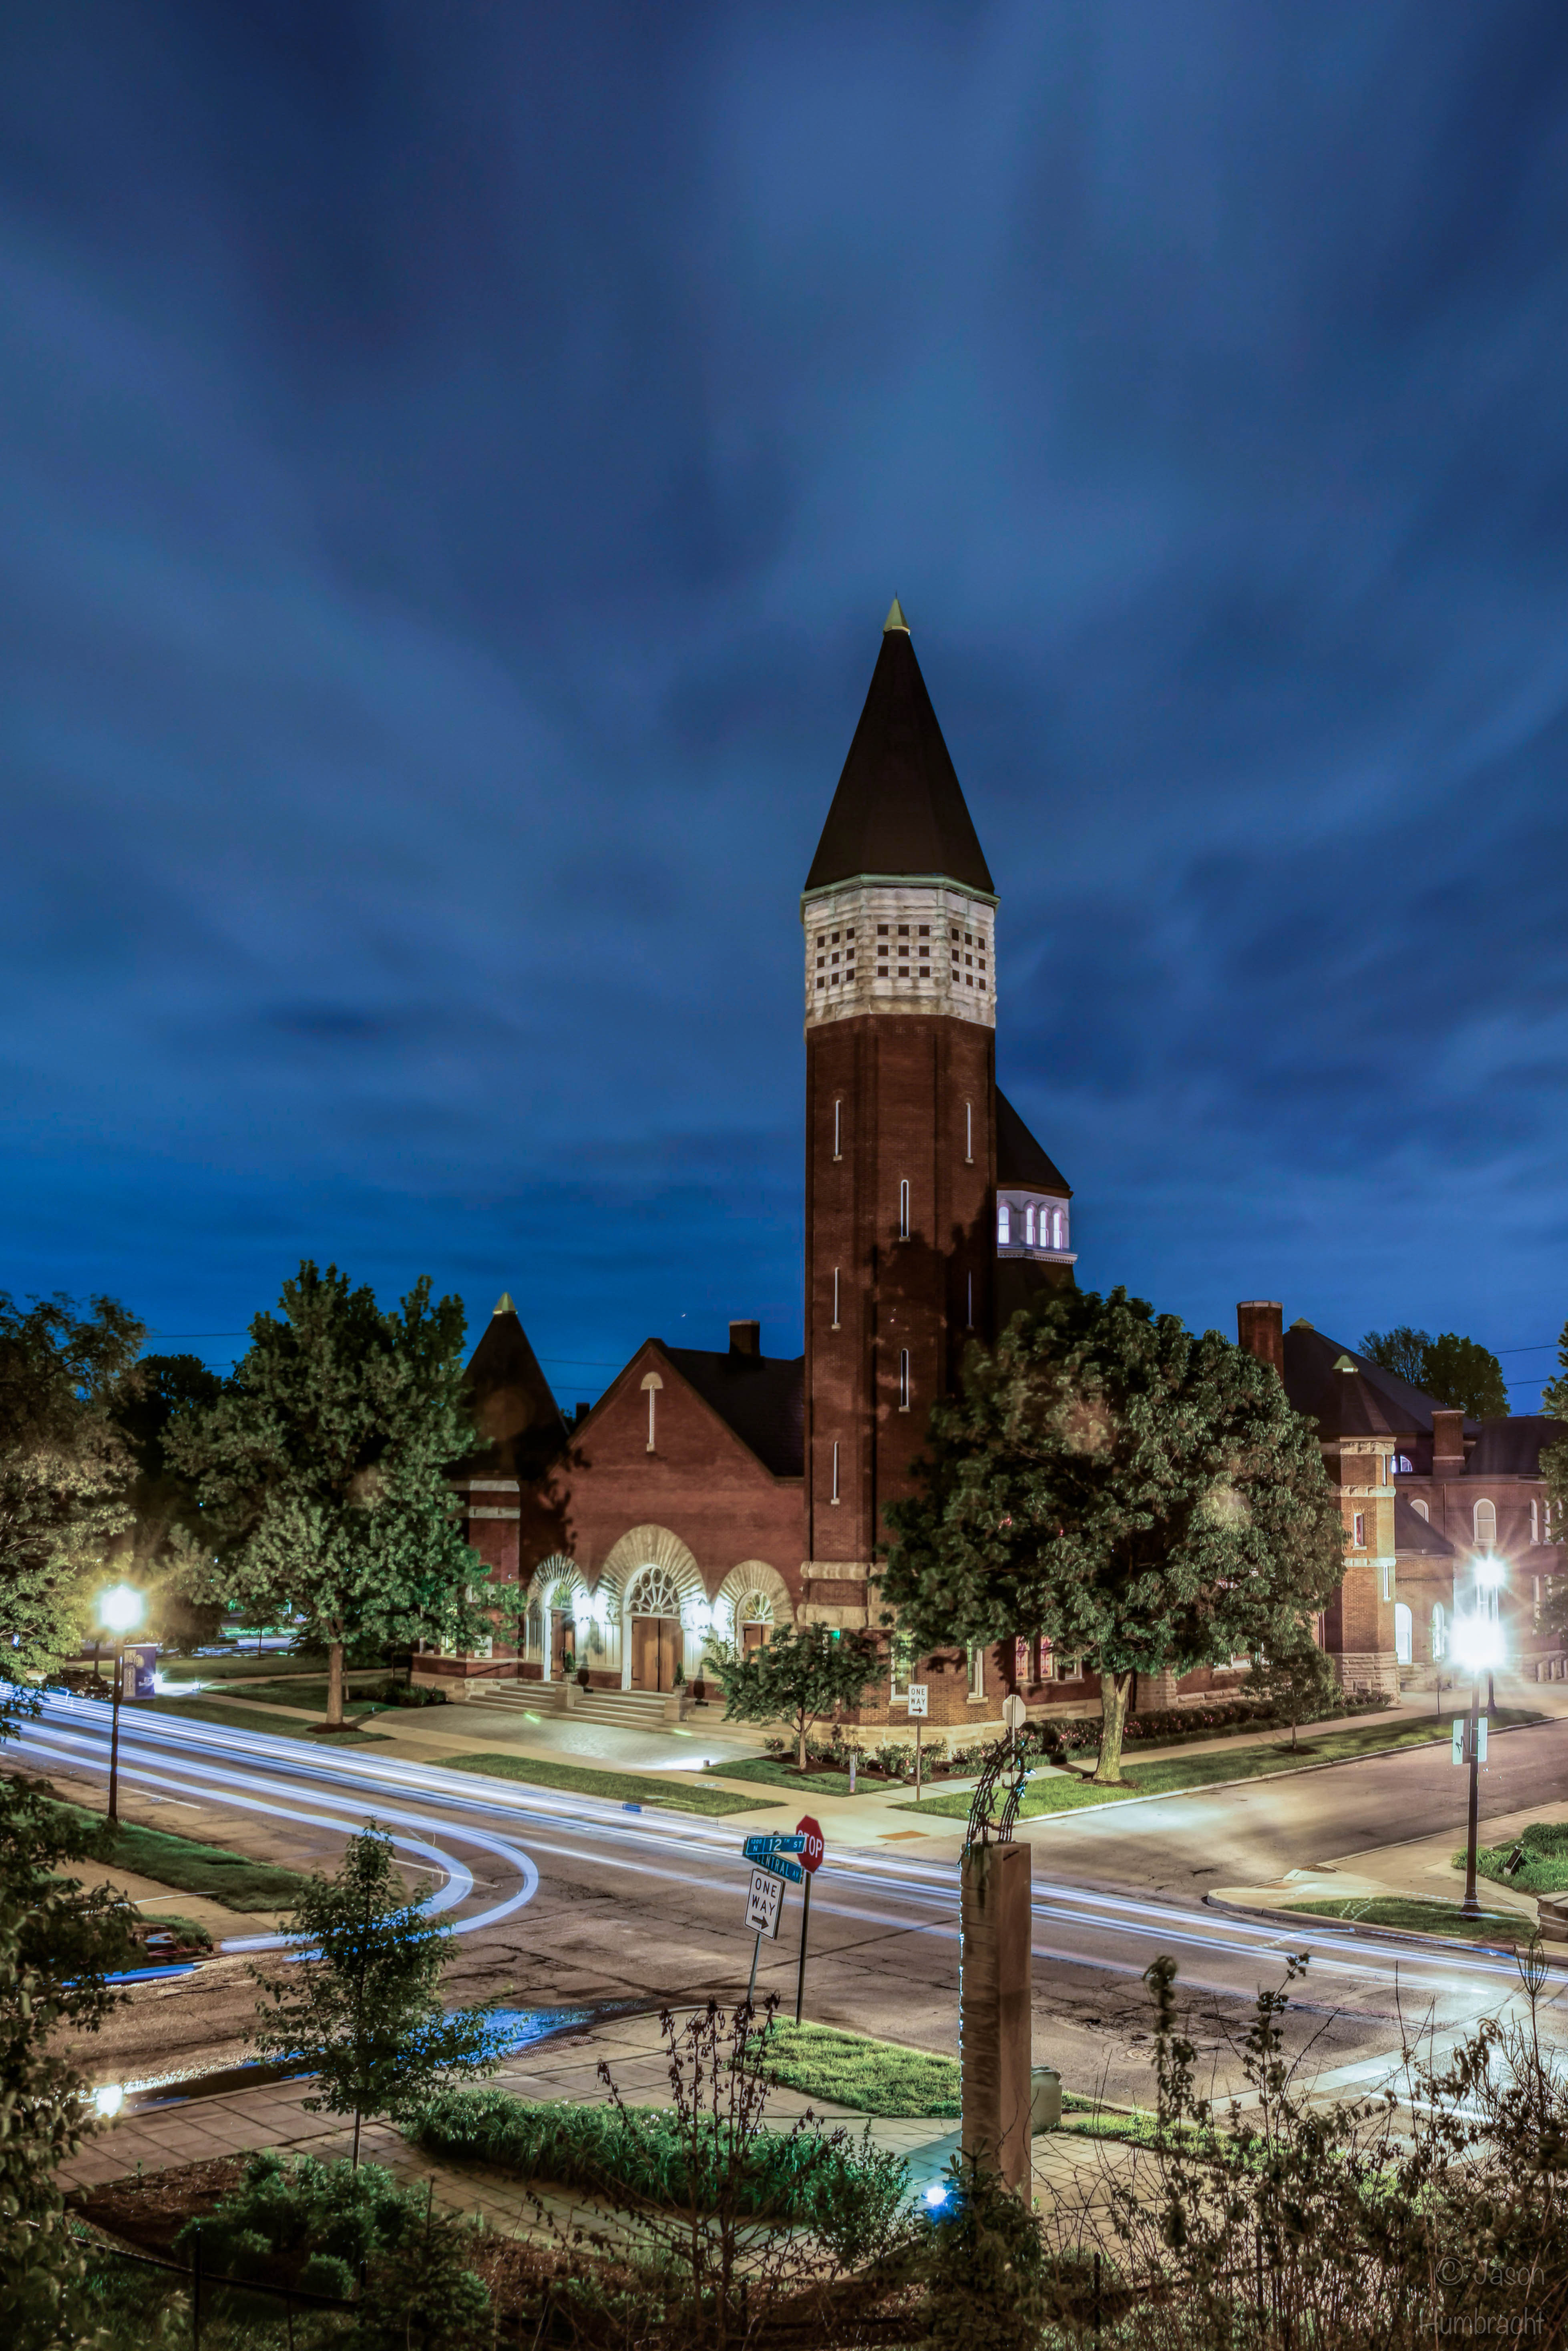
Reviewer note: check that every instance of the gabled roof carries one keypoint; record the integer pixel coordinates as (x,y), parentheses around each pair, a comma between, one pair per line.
(1022,1164)
(1512,1448)
(1309,1358)
(1412,1533)
(514,1409)
(761,1397)
(899,808)
(1347,1405)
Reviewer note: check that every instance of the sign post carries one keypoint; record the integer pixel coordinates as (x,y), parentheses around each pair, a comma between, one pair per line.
(811,1847)
(917,1709)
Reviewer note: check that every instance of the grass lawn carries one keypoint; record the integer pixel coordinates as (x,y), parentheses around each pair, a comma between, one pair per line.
(240,1715)
(1423,1917)
(619,1787)
(773,1773)
(879,2077)
(1176,1773)
(238,1666)
(191,1867)
(307,1693)
(1544,1869)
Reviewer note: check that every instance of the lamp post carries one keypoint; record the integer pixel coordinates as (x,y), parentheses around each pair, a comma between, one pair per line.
(120,1611)
(1478,1646)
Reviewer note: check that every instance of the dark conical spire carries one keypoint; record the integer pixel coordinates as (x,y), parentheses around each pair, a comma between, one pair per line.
(899,808)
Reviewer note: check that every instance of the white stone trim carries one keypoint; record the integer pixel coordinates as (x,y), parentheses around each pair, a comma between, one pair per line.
(652,1546)
(860,905)
(751,1575)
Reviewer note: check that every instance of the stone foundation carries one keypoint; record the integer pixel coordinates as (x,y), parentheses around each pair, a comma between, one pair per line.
(1367,1673)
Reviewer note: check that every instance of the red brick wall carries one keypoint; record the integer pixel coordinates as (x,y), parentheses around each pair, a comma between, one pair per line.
(903,1082)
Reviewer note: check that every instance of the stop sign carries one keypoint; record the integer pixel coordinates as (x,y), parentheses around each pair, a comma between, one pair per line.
(812,1857)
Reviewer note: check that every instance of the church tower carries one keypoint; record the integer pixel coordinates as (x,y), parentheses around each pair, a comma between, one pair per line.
(899,911)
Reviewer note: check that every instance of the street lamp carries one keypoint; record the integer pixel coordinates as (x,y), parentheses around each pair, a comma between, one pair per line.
(1477,1648)
(120,1611)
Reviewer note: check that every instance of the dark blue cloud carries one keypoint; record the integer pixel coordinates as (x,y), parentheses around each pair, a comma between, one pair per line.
(456,464)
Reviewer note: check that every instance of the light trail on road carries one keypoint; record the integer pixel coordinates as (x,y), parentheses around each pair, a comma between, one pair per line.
(691,1862)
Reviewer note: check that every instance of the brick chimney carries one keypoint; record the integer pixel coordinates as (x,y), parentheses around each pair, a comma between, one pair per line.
(1261,1329)
(746,1338)
(1448,1442)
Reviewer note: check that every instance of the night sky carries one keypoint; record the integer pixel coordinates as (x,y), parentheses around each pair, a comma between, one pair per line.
(456,461)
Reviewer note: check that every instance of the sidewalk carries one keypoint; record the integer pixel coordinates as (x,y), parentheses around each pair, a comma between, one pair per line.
(1423,1868)
(238,2122)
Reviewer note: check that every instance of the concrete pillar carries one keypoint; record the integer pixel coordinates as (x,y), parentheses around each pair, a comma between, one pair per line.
(995,2025)
(1154,1693)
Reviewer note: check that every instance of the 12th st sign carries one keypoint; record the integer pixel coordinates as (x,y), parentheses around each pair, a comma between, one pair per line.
(772,1853)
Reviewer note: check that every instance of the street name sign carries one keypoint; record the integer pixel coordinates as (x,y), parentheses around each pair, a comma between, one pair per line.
(763,1903)
(777,1866)
(757,1849)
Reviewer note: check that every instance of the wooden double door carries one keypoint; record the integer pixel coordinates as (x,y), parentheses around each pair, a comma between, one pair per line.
(655,1652)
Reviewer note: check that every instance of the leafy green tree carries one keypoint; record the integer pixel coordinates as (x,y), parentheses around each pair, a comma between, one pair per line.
(1456,1372)
(364,2014)
(1401,1351)
(60,1942)
(65,1470)
(1144,1498)
(321,1474)
(1554,1470)
(1296,1677)
(800,1675)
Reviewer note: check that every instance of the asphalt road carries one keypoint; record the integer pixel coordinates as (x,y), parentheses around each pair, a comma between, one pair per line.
(567,1899)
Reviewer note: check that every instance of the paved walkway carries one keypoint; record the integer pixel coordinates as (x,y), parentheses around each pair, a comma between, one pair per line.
(1069,2173)
(1423,1868)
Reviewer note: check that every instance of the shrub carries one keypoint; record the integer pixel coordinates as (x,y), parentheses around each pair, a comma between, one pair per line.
(290,2212)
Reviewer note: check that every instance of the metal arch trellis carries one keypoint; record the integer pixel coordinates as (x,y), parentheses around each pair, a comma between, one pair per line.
(1007,1763)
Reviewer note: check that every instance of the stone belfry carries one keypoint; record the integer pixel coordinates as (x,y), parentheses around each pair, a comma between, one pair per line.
(899,911)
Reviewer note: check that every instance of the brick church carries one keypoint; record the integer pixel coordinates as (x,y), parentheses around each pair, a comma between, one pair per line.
(737,1491)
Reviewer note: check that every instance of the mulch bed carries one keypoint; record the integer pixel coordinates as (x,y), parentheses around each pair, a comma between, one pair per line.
(149,2212)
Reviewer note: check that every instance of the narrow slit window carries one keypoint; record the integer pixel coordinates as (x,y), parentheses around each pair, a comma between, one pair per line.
(903,1211)
(968,1135)
(834,1495)
(1004,1224)
(1029,1225)
(904,1379)
(838,1130)
(1358,1531)
(835,1298)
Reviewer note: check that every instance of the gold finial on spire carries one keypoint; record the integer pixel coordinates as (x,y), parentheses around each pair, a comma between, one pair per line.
(896,619)
(504,1303)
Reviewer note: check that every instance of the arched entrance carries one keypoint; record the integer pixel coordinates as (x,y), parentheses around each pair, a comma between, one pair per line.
(653,1610)
(753,1622)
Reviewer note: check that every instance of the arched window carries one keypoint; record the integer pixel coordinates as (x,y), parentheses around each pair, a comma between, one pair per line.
(1029,1225)
(1004,1224)
(654,1594)
(1400,1464)
(1485,1525)
(1440,1632)
(1421,1511)
(1404,1633)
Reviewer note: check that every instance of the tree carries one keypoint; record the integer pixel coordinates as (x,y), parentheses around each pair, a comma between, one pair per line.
(321,1474)
(1144,1498)
(800,1675)
(1456,1372)
(1554,1470)
(363,2011)
(60,1942)
(1296,1677)
(65,1470)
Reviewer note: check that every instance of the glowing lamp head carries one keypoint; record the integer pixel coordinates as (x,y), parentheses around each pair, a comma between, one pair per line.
(936,2195)
(108,2099)
(1477,1645)
(120,1609)
(1490,1570)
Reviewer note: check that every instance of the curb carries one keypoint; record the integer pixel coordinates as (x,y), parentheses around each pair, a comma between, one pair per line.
(1312,1923)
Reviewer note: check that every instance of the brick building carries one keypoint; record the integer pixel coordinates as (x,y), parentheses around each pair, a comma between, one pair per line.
(735,1491)
(1426,1495)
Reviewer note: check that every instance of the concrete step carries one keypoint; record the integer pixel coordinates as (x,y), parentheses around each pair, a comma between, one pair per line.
(630,1710)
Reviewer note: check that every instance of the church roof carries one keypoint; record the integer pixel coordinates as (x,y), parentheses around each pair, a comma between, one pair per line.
(761,1397)
(517,1415)
(1022,1164)
(899,808)
(1309,1359)
(1347,1405)
(1512,1448)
